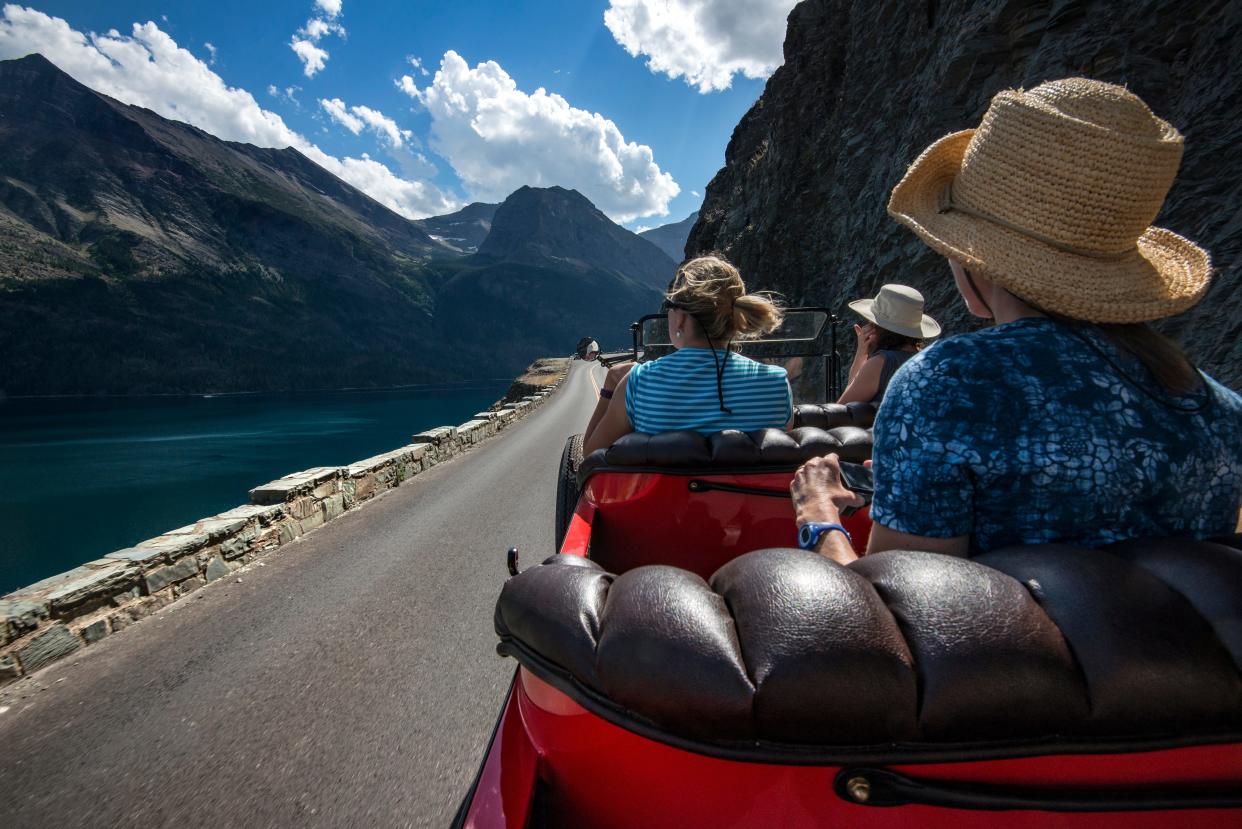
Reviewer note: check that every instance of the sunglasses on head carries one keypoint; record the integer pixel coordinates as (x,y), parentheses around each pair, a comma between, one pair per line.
(667,305)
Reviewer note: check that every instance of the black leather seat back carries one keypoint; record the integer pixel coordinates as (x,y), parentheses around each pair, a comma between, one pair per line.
(730,451)
(1023,650)
(832,415)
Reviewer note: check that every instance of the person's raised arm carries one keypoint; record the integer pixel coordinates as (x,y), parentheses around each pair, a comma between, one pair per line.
(864,342)
(865,383)
(611,379)
(614,422)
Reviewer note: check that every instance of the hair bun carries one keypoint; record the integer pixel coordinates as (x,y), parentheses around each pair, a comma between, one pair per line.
(711,290)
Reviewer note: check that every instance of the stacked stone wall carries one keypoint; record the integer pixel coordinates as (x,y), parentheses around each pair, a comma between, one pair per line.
(53,618)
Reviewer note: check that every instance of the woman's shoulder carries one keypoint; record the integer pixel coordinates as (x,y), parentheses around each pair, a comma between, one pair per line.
(989,350)
(978,364)
(672,361)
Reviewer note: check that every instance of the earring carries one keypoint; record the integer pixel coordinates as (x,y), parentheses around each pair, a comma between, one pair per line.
(679,334)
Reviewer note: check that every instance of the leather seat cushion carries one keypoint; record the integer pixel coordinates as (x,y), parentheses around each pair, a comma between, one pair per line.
(1139,641)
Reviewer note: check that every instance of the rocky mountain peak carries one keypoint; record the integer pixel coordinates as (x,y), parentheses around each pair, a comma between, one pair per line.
(541,225)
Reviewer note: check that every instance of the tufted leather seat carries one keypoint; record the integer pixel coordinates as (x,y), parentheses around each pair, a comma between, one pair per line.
(786,656)
(831,415)
(691,453)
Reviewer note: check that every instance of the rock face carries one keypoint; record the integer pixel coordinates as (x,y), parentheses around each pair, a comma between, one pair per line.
(464,230)
(672,238)
(538,377)
(867,84)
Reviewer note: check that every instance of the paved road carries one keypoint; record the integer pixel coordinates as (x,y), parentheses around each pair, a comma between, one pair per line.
(349,681)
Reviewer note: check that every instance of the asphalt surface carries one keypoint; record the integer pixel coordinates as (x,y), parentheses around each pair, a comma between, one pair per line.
(351,679)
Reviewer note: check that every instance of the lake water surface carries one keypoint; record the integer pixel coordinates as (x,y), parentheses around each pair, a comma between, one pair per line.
(80,478)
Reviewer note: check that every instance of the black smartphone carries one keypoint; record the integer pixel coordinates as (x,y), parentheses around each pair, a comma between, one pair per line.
(858,480)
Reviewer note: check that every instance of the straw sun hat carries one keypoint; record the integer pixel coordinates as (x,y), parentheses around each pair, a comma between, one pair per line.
(898,308)
(1052,198)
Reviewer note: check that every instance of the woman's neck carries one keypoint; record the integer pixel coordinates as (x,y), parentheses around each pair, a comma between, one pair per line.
(1006,307)
(695,342)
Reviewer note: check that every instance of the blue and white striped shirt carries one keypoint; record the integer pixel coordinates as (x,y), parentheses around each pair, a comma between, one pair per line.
(678,391)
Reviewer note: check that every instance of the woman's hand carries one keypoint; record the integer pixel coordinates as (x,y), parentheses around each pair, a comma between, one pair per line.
(864,336)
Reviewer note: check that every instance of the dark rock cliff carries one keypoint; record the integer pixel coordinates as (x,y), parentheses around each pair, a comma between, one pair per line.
(867,84)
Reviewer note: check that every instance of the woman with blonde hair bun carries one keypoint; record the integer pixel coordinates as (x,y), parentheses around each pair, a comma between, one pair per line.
(703,385)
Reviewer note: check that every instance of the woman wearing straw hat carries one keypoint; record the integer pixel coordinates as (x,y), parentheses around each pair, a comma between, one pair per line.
(895,330)
(1070,419)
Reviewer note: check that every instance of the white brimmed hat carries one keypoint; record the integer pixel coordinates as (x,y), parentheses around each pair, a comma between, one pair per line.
(898,308)
(1052,198)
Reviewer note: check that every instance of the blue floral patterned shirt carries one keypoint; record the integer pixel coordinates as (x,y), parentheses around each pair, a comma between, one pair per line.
(1025,434)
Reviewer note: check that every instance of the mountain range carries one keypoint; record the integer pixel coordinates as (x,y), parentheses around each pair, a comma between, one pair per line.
(143,255)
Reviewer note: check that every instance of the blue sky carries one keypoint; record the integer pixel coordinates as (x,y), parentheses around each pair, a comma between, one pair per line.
(640,134)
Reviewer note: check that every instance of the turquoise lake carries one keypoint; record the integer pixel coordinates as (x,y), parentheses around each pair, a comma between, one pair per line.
(84,477)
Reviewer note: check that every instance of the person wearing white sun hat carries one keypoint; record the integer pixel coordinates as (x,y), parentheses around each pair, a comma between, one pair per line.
(1070,420)
(895,331)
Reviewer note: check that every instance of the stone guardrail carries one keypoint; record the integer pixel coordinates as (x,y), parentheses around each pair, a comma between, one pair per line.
(53,618)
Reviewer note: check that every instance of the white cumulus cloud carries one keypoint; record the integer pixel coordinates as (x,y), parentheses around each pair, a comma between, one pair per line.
(147,68)
(498,138)
(313,58)
(305,41)
(289,93)
(339,113)
(331,8)
(316,28)
(384,126)
(406,84)
(418,65)
(706,42)
(357,118)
